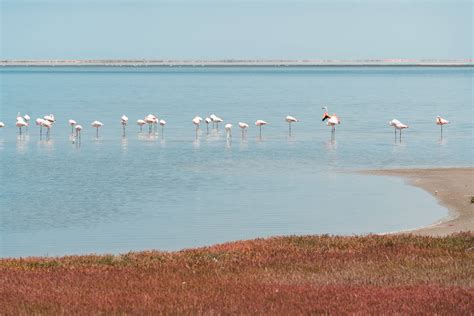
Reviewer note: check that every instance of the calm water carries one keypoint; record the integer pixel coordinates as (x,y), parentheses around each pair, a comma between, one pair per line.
(172,191)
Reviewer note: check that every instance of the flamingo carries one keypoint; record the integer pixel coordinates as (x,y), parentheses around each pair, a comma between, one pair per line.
(207,120)
(441,121)
(141,123)
(290,119)
(50,118)
(150,119)
(97,125)
(228,129)
(27,118)
(72,123)
(39,122)
(20,122)
(196,121)
(48,125)
(333,120)
(260,123)
(217,120)
(124,121)
(162,123)
(212,117)
(244,127)
(397,125)
(78,130)
(2,125)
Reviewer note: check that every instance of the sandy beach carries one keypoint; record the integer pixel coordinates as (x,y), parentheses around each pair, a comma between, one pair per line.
(453,187)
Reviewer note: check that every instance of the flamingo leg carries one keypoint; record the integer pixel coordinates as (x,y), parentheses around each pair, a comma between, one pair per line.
(289,129)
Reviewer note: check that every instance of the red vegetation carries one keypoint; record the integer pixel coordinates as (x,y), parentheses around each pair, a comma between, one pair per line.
(284,275)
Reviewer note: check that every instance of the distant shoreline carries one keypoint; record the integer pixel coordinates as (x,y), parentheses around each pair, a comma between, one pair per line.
(239,63)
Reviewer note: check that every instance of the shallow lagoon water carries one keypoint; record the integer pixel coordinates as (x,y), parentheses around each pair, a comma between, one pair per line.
(173,191)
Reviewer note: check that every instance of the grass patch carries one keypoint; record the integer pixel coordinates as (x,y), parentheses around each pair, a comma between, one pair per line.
(283,275)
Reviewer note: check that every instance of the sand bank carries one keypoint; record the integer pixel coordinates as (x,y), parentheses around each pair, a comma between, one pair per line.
(453,187)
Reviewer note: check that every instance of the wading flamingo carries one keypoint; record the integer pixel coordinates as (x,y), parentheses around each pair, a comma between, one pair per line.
(2,125)
(27,119)
(260,123)
(78,131)
(196,121)
(333,120)
(397,125)
(217,120)
(228,130)
(212,117)
(207,120)
(141,123)
(290,119)
(441,121)
(124,121)
(72,123)
(20,123)
(244,127)
(47,124)
(97,125)
(150,119)
(39,122)
(50,118)
(162,124)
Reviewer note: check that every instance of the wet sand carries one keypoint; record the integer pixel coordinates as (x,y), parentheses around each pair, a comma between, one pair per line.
(453,187)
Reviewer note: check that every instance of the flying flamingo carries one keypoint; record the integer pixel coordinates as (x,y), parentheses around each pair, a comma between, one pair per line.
(162,123)
(72,123)
(228,129)
(124,121)
(196,121)
(141,123)
(244,127)
(97,125)
(290,119)
(260,123)
(441,121)
(207,120)
(397,125)
(333,120)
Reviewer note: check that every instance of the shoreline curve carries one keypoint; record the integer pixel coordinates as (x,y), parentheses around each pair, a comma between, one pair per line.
(452,187)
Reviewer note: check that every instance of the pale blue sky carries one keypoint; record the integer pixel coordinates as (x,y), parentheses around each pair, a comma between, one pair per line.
(212,29)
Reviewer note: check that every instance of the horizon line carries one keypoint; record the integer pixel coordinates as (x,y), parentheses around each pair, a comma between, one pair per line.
(239,62)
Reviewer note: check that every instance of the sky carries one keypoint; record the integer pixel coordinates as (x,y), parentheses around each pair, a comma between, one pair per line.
(236,29)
